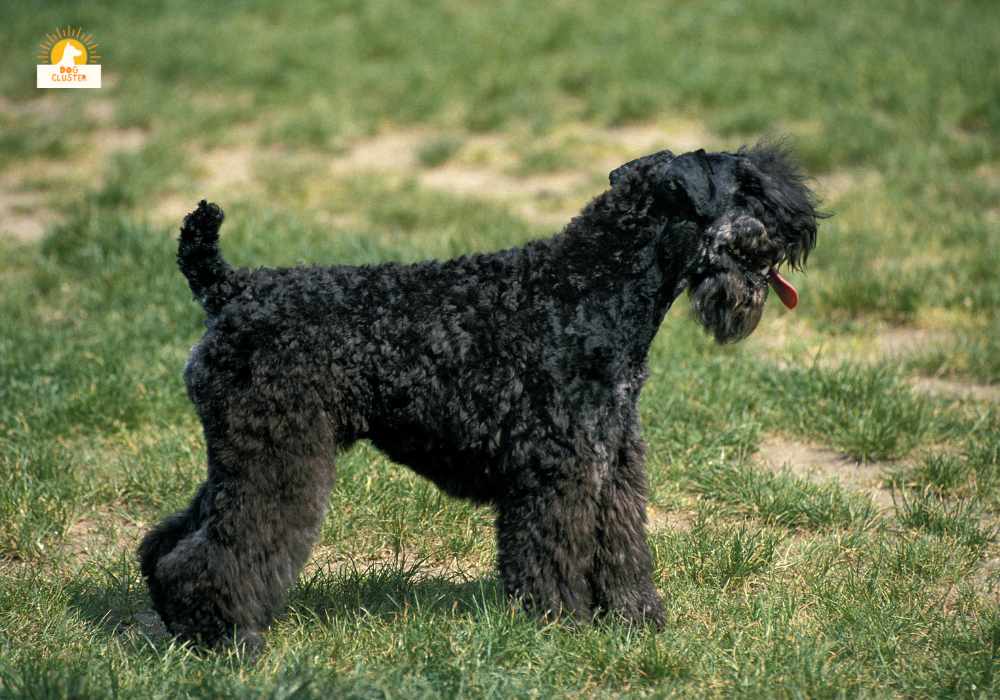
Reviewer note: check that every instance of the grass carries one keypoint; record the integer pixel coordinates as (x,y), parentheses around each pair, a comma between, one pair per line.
(782,498)
(975,354)
(957,520)
(868,413)
(777,584)
(438,150)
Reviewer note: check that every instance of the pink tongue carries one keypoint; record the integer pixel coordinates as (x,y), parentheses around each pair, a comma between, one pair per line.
(784,289)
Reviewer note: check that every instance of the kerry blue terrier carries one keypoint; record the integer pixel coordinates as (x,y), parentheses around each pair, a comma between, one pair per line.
(510,378)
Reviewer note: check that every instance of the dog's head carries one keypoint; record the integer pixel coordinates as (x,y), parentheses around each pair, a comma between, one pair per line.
(730,221)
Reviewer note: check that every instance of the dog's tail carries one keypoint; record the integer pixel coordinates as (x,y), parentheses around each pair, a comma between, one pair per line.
(198,256)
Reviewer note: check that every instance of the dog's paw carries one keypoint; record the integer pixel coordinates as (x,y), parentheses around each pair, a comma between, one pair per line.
(249,644)
(653,613)
(645,609)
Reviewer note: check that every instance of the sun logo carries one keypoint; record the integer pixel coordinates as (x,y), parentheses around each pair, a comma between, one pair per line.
(68,58)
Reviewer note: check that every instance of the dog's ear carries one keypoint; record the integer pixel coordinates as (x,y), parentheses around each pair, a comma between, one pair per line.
(688,183)
(661,157)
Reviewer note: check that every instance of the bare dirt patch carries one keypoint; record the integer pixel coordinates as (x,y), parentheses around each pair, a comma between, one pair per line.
(46,105)
(227,168)
(25,208)
(101,111)
(821,464)
(660,520)
(677,135)
(171,209)
(219,172)
(99,534)
(23,214)
(783,336)
(486,165)
(480,168)
(951,389)
(106,142)
(543,199)
(897,342)
(390,151)
(989,172)
(29,187)
(398,148)
(476,181)
(832,187)
(986,579)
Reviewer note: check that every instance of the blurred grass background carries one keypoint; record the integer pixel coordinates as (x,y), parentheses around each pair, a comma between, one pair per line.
(824,502)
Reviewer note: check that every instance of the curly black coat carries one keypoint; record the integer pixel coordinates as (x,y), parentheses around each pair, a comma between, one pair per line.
(509,378)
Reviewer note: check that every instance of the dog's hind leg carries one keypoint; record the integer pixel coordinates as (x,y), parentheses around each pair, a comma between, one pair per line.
(221,569)
(546,541)
(622,578)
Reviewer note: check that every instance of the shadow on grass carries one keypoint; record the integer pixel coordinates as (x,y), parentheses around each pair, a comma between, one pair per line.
(394,588)
(111,597)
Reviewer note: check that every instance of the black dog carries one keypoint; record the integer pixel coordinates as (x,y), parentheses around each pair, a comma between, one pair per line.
(508,378)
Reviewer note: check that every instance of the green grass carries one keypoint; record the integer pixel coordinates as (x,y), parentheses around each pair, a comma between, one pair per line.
(781,498)
(438,150)
(975,354)
(777,583)
(958,520)
(868,413)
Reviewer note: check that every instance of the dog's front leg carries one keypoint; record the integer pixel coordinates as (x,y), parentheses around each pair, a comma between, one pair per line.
(622,579)
(546,539)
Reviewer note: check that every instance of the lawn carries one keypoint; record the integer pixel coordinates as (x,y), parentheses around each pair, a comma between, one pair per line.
(825,496)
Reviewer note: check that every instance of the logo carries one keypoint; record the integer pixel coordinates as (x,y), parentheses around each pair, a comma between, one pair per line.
(68,59)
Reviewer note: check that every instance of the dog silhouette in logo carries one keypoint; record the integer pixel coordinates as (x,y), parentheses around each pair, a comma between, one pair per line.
(69,55)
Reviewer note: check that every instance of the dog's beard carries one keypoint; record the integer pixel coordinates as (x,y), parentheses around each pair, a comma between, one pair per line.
(729,305)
